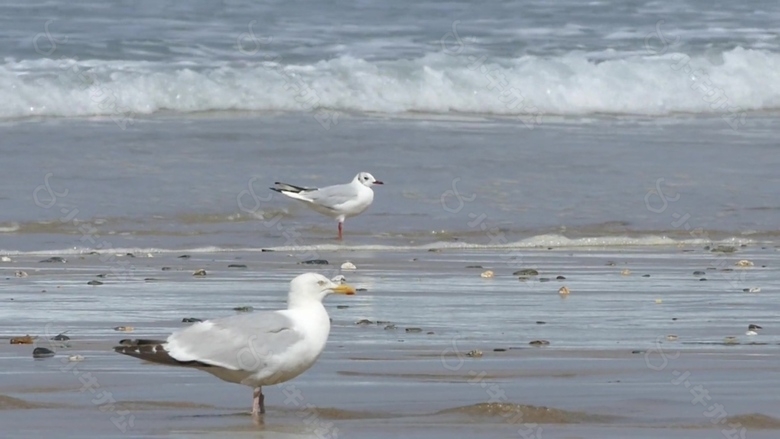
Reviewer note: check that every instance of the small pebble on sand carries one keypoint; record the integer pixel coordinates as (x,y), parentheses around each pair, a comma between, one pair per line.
(752,290)
(75,358)
(94,282)
(486,274)
(314,262)
(364,322)
(475,353)
(659,301)
(42,353)
(348,266)
(5,259)
(27,339)
(236,266)
(243,309)
(21,273)
(124,329)
(526,272)
(560,278)
(199,272)
(698,273)
(61,337)
(413,329)
(625,272)
(564,291)
(730,340)
(539,343)
(672,337)
(744,263)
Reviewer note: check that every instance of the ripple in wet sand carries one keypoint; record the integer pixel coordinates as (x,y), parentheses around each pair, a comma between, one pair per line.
(526,413)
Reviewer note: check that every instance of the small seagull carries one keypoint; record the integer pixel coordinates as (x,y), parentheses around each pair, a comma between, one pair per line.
(340,201)
(753,329)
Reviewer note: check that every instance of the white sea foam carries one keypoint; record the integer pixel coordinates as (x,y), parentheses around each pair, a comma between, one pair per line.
(575,83)
(539,241)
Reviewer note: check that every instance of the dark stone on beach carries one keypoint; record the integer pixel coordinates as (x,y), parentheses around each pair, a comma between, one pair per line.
(199,272)
(42,353)
(94,282)
(706,247)
(474,266)
(724,249)
(139,342)
(166,268)
(364,322)
(560,278)
(360,289)
(539,343)
(753,327)
(236,266)
(342,306)
(101,275)
(150,279)
(314,262)
(610,263)
(727,270)
(266,250)
(243,308)
(674,318)
(413,329)
(190,320)
(702,279)
(645,275)
(93,253)
(184,257)
(541,322)
(434,250)
(698,273)
(544,279)
(526,272)
(389,327)
(711,268)
(54,259)
(499,350)
(130,255)
(522,278)
(61,337)
(382,322)
(429,333)
(636,352)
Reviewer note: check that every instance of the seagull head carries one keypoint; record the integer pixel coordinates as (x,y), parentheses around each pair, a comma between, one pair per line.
(366,179)
(309,287)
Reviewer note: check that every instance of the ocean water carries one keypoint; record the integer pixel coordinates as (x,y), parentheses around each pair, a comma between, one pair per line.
(160,125)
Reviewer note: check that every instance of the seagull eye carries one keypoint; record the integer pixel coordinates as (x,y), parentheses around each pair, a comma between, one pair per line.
(321,283)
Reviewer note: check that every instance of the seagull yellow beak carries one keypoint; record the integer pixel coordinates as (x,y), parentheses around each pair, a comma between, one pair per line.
(344,289)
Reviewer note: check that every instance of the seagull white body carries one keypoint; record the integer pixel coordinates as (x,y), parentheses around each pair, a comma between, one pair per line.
(254,349)
(339,202)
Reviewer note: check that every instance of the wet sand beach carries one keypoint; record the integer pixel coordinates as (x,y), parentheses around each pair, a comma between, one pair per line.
(444,352)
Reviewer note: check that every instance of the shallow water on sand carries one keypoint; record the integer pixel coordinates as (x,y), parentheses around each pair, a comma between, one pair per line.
(609,370)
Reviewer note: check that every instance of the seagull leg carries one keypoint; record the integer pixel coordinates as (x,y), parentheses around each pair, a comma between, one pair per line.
(258,404)
(341,235)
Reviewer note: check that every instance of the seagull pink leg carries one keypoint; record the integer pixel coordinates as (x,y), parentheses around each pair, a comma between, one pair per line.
(341,235)
(258,404)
